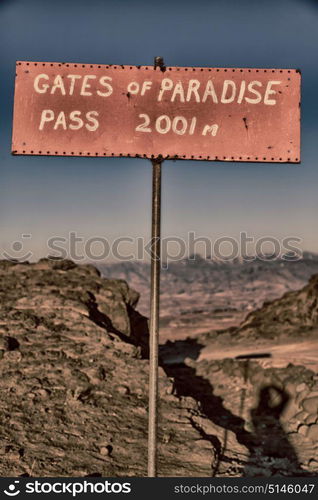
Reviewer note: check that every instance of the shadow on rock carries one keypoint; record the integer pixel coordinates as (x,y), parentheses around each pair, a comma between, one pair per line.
(270,444)
(139,331)
(269,449)
(189,384)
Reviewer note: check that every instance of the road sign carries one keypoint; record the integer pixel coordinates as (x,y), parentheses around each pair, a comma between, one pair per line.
(225,114)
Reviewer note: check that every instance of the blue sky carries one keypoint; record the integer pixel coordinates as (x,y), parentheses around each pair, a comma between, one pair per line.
(111,197)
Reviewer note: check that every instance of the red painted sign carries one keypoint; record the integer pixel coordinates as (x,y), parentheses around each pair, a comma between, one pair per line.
(226,114)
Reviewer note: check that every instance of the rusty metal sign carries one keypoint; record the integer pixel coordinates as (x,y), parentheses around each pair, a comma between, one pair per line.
(226,114)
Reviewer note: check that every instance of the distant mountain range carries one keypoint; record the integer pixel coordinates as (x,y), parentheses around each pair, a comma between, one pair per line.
(202,294)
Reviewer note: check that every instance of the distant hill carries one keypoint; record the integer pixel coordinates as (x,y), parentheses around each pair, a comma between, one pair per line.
(204,294)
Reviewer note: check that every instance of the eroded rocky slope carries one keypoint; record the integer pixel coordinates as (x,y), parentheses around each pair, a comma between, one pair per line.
(74,381)
(294,314)
(73,386)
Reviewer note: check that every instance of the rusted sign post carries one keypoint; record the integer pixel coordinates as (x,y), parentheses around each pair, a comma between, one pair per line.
(216,114)
(154,317)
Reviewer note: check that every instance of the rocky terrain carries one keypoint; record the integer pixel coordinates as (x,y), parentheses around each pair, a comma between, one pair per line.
(275,351)
(73,386)
(73,389)
(296,313)
(269,417)
(198,293)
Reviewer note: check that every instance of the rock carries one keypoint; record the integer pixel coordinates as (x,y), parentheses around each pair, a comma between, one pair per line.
(313,464)
(297,419)
(79,381)
(301,416)
(12,356)
(311,418)
(260,378)
(106,450)
(303,430)
(74,372)
(55,263)
(301,387)
(313,432)
(311,405)
(234,450)
(123,389)
(288,314)
(290,410)
(302,395)
(41,393)
(291,388)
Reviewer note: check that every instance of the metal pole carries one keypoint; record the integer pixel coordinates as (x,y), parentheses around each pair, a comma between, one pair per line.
(154,318)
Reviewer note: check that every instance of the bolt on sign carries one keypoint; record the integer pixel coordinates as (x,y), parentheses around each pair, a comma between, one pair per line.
(225,114)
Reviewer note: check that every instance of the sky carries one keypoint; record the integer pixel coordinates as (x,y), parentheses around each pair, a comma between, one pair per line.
(45,197)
